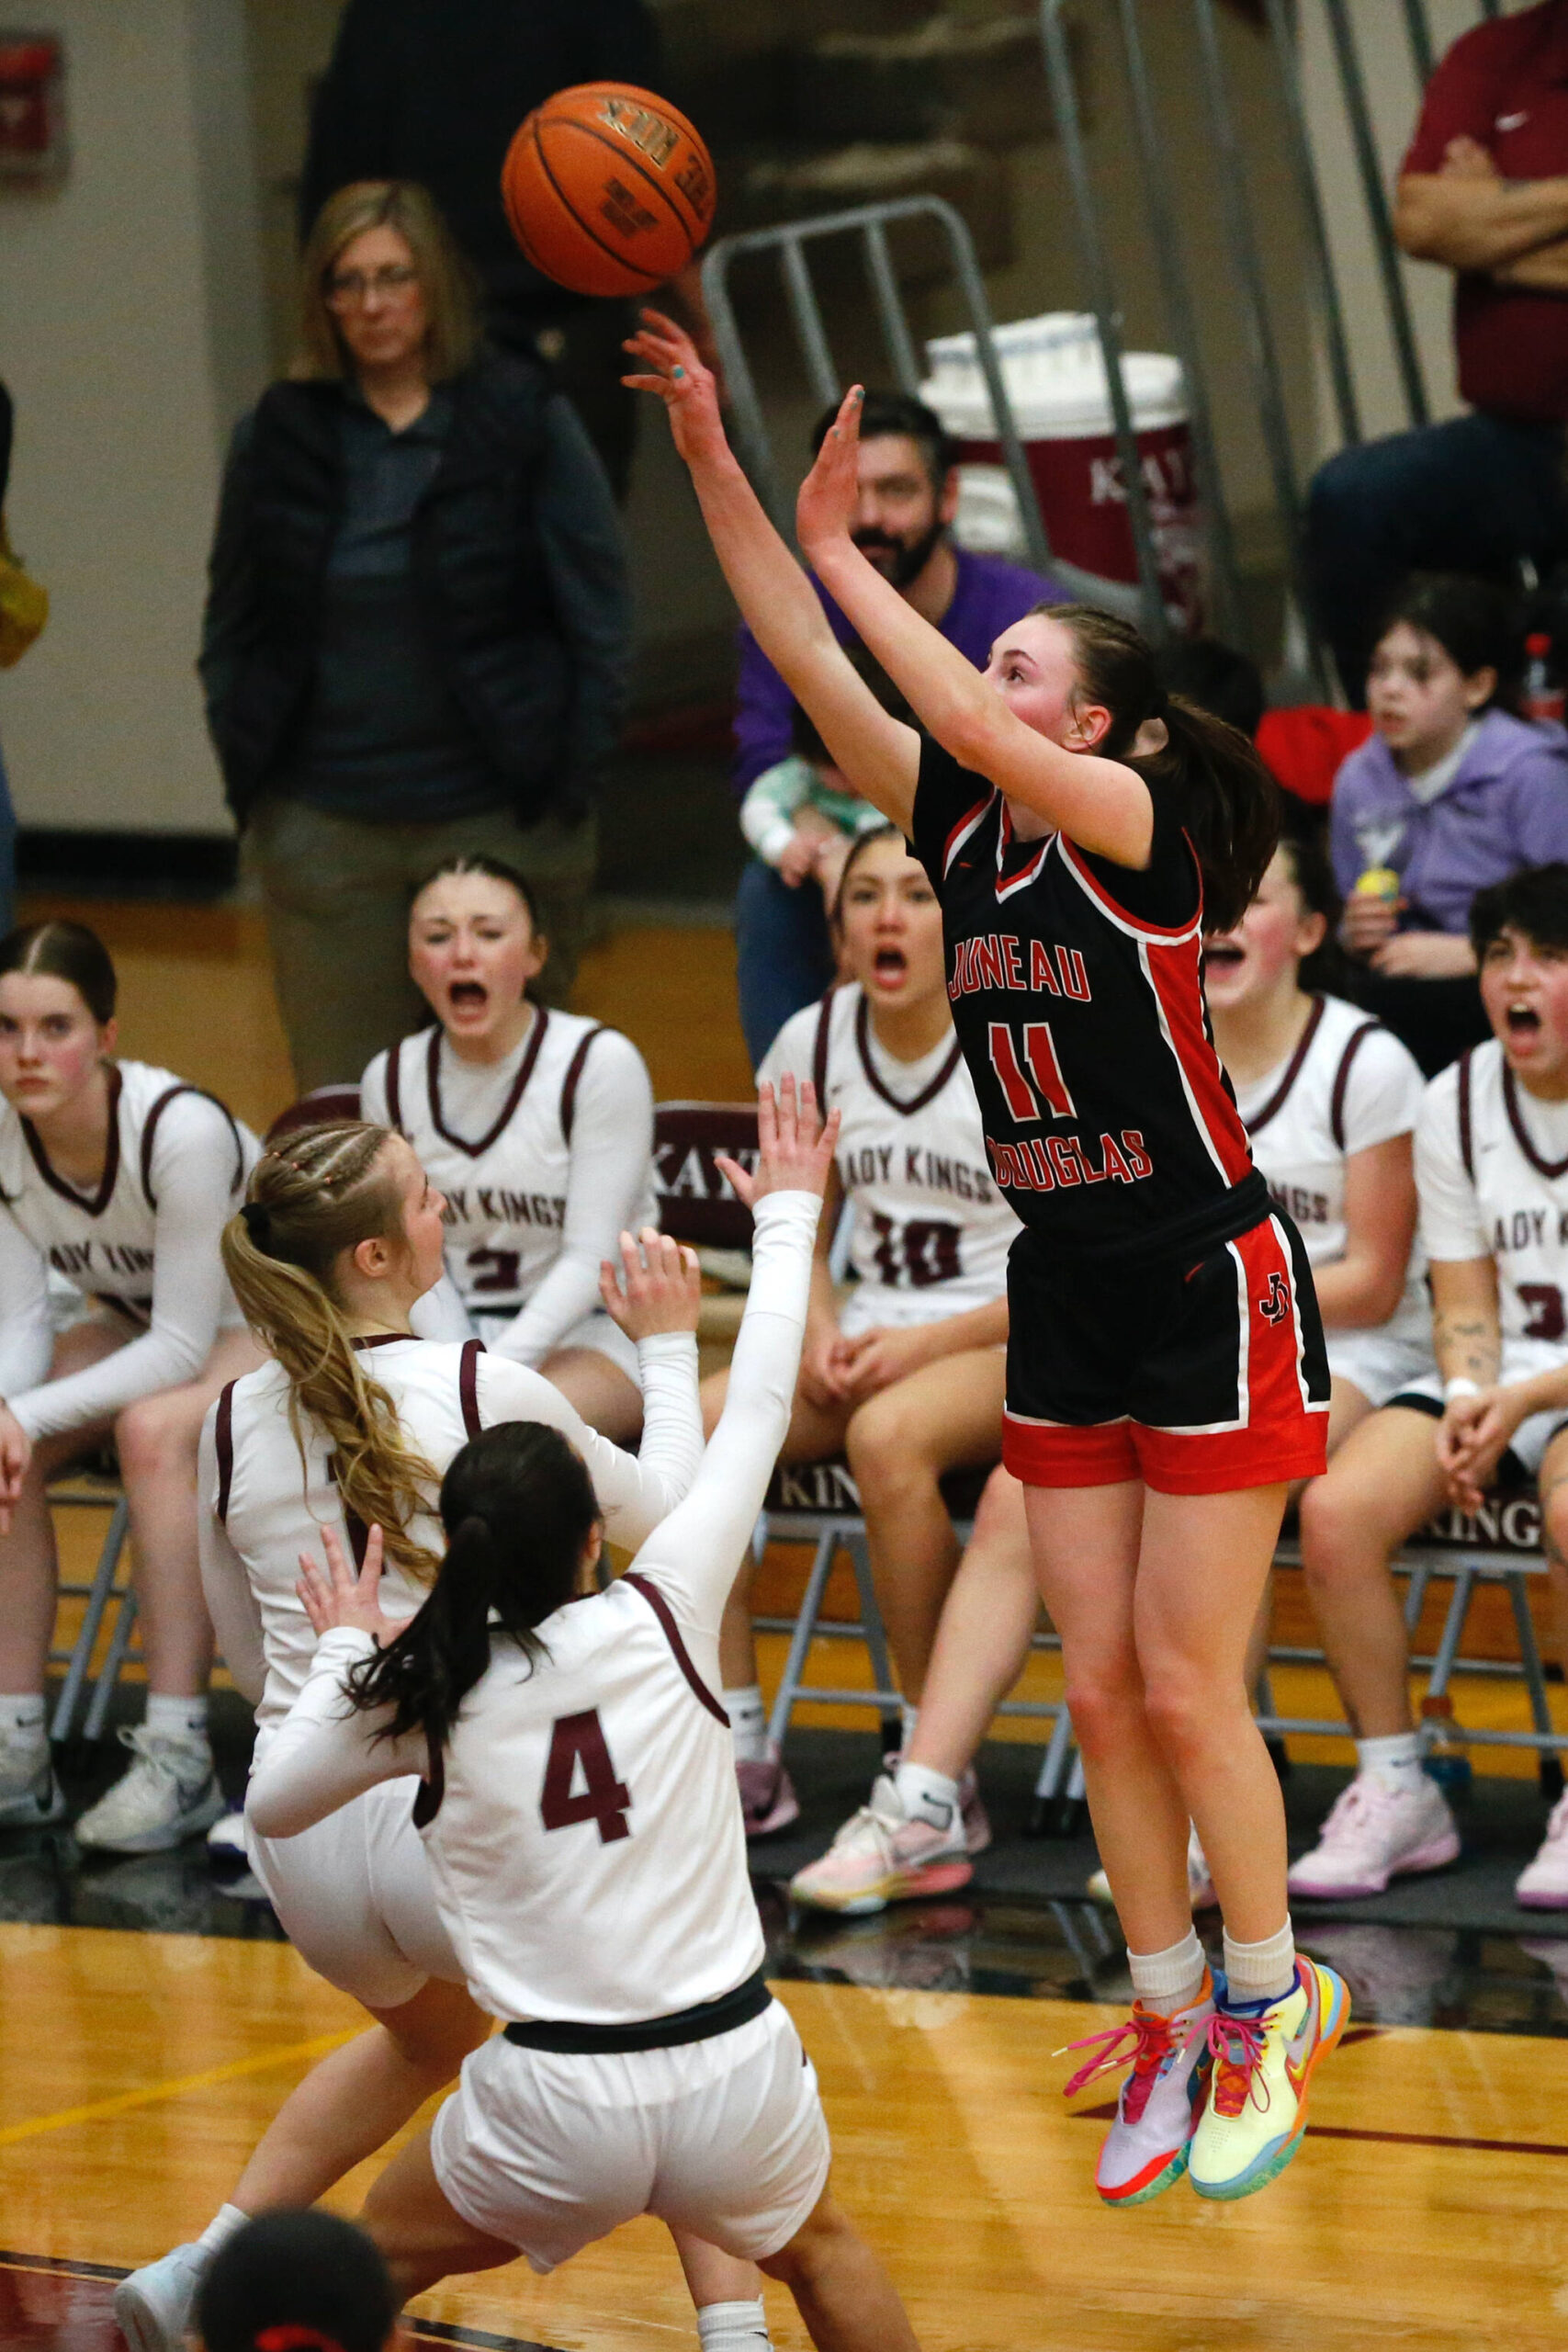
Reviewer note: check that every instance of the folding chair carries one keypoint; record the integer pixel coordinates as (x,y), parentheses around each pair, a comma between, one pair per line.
(103,1595)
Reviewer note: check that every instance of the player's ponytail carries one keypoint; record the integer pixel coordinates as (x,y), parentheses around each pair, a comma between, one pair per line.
(519,1509)
(1230,803)
(316,1193)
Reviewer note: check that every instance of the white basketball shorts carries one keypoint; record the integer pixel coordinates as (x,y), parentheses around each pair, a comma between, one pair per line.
(1376,1362)
(724,2138)
(1521,1362)
(353,1896)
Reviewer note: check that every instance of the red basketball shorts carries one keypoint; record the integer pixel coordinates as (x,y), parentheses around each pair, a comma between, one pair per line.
(1196,1376)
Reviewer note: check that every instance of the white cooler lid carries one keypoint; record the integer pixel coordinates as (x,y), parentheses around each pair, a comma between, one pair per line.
(1054,373)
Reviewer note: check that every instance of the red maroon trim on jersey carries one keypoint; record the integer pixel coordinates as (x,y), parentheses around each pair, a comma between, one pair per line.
(1026,874)
(223,1445)
(524,1072)
(380,1339)
(1548,1168)
(1277,1101)
(150,1135)
(926,1093)
(1179,998)
(661,1608)
(573,1077)
(1118,914)
(961,831)
(469,1385)
(1353,1045)
(395,1087)
(99,1201)
(820,1045)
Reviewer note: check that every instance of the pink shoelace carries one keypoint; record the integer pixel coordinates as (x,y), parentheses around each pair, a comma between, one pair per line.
(1239,2076)
(1144,2038)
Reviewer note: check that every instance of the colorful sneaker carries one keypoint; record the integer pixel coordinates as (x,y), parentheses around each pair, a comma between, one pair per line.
(768,1800)
(1542,1885)
(880,1856)
(1373,1834)
(977,1820)
(1264,2062)
(29,1793)
(1158,2106)
(154,2307)
(1199,1886)
(169,1794)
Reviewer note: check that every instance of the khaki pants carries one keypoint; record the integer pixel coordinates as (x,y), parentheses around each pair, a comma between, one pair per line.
(336,891)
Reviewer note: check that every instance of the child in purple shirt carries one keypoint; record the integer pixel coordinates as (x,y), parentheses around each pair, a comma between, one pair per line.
(1451,792)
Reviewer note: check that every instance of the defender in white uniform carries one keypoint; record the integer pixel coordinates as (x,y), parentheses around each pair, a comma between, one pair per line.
(116,1180)
(355,1893)
(590,1861)
(906,1378)
(1492,1168)
(538,1126)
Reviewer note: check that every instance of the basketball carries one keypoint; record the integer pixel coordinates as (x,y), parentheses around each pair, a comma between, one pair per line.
(608,189)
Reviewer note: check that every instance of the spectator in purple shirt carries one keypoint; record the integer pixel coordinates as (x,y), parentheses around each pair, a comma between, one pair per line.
(1451,792)
(908,495)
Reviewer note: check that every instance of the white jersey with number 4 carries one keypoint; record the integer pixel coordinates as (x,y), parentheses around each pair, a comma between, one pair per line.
(543,1158)
(1491,1168)
(1348,1085)
(932,1232)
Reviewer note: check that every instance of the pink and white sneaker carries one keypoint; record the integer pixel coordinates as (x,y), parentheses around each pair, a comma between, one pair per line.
(1373,1834)
(1542,1885)
(1159,2104)
(882,1856)
(768,1800)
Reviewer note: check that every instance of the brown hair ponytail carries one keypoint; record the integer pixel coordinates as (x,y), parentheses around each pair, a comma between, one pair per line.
(316,1193)
(1230,803)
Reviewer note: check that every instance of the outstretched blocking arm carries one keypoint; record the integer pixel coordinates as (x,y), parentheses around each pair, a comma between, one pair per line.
(880,755)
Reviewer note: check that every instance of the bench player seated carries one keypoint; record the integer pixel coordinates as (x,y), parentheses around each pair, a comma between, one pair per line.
(1491,1172)
(907,1380)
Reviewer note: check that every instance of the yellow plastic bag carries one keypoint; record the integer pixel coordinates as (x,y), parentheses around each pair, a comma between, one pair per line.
(24,605)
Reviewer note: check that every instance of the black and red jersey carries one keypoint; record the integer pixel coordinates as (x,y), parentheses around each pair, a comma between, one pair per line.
(1078,998)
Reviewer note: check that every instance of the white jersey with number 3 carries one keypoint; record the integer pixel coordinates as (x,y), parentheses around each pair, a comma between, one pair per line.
(1491,1170)
(932,1232)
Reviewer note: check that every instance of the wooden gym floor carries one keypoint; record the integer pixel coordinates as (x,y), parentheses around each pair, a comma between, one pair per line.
(136,2070)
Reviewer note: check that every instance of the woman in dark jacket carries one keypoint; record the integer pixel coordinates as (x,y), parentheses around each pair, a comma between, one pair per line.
(417,627)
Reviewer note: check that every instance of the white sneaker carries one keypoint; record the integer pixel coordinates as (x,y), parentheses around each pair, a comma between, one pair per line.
(29,1793)
(155,2307)
(1542,1885)
(881,1856)
(226,1838)
(1199,1886)
(169,1793)
(1373,1834)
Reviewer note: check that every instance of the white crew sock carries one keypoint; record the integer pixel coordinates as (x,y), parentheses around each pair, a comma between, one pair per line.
(748,1735)
(910,1717)
(926,1796)
(1172,1979)
(1395,1761)
(1261,1972)
(177,1718)
(21,1711)
(220,2230)
(734,2327)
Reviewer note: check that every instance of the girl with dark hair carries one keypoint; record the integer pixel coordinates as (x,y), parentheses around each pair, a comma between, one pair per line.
(351,1422)
(906,1377)
(1449,793)
(116,1180)
(1165,1374)
(537,1126)
(578,1811)
(297,2282)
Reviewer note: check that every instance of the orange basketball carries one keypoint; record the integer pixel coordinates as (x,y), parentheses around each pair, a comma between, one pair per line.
(608,189)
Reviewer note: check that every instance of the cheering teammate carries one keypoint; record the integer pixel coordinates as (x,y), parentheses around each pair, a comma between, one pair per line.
(586,1845)
(908,1382)
(352,1422)
(1166,1372)
(537,1126)
(1491,1172)
(120,1178)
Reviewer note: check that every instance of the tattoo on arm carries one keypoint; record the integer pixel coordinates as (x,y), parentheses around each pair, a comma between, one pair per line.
(1468,1346)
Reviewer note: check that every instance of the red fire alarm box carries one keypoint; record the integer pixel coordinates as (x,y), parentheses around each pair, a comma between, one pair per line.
(32,107)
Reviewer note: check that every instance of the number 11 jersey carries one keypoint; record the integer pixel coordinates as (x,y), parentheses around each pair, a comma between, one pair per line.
(1077,992)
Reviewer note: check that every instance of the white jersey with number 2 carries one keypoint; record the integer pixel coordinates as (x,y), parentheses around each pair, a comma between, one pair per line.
(932,1232)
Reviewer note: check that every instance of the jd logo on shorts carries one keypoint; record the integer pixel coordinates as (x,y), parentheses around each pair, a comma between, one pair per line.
(1275,1307)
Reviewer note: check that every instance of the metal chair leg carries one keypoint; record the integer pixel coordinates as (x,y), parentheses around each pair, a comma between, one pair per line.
(104,1689)
(103,1590)
(800,1640)
(1550,1765)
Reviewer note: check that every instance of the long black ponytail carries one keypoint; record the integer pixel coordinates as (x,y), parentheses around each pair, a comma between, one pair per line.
(518,1506)
(1230,803)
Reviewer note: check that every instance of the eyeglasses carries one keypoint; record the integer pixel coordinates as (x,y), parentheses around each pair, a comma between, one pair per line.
(349,287)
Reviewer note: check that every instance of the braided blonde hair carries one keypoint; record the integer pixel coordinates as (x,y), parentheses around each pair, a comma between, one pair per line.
(316,1193)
